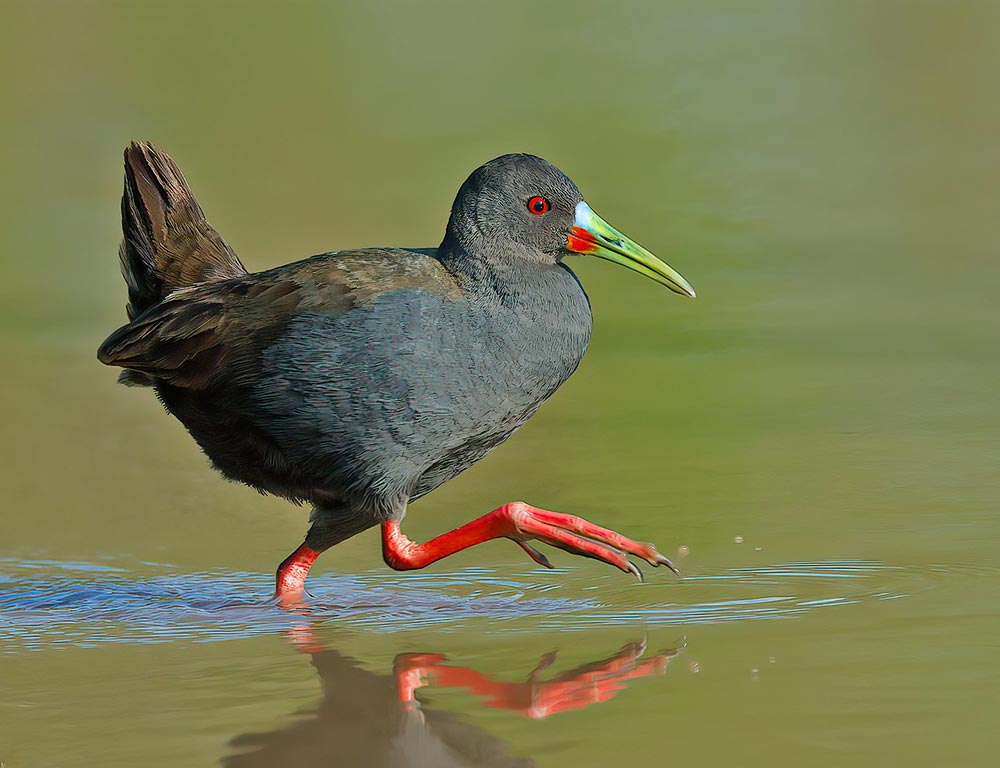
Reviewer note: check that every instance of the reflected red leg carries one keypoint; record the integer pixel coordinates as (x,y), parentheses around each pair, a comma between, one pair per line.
(576,689)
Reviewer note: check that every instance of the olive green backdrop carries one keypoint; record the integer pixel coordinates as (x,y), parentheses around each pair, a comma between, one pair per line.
(825,174)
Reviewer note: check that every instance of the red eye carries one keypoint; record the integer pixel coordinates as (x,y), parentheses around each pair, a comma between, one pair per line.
(538,205)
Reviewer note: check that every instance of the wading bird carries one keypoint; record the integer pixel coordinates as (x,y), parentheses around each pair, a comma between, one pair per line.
(360,380)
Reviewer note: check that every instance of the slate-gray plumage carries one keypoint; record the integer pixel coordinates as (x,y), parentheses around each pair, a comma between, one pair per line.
(361,380)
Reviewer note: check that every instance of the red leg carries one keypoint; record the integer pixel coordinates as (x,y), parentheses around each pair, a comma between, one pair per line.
(521,522)
(291,576)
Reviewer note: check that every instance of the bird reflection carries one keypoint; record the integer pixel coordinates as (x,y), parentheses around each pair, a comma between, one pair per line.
(371,719)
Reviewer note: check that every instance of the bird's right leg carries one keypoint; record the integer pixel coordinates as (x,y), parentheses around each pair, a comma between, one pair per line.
(522,522)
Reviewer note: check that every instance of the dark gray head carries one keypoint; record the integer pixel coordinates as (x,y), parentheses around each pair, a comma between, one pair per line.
(520,210)
(514,206)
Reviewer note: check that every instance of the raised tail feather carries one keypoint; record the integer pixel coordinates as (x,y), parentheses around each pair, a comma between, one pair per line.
(167,243)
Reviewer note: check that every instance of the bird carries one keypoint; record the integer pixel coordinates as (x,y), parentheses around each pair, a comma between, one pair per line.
(358,381)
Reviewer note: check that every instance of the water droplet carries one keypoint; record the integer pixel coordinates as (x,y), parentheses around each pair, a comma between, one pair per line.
(694,667)
(683,551)
(738,539)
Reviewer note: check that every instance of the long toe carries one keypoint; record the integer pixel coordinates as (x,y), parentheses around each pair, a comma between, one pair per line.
(577,545)
(645,550)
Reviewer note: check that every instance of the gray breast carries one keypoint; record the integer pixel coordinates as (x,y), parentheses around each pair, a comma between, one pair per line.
(398,396)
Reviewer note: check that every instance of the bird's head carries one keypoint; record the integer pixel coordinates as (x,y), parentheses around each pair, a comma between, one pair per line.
(519,206)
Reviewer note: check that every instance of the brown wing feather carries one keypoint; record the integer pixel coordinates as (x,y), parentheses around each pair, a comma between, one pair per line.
(211,331)
(178,341)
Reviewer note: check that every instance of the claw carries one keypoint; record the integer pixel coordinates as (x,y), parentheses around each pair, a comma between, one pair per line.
(634,571)
(661,560)
(543,663)
(534,554)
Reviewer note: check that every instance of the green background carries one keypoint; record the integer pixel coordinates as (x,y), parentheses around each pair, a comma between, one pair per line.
(824,173)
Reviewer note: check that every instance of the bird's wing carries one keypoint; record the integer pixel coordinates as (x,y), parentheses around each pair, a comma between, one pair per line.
(212,331)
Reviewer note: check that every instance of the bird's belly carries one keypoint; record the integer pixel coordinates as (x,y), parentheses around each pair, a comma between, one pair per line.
(468,449)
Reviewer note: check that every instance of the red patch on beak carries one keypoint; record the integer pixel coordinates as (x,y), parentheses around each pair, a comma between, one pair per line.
(580,240)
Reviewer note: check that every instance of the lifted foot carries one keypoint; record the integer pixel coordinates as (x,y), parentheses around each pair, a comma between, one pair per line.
(522,523)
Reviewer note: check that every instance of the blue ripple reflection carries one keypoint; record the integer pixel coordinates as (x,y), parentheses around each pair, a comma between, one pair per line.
(46,604)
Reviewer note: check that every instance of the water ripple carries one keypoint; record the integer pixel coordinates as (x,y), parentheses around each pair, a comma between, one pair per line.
(45,604)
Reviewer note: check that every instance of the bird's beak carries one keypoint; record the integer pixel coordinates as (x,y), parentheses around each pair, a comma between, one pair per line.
(593,235)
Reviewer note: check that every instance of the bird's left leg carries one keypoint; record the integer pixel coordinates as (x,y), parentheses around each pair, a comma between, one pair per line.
(290,579)
(331,524)
(521,522)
